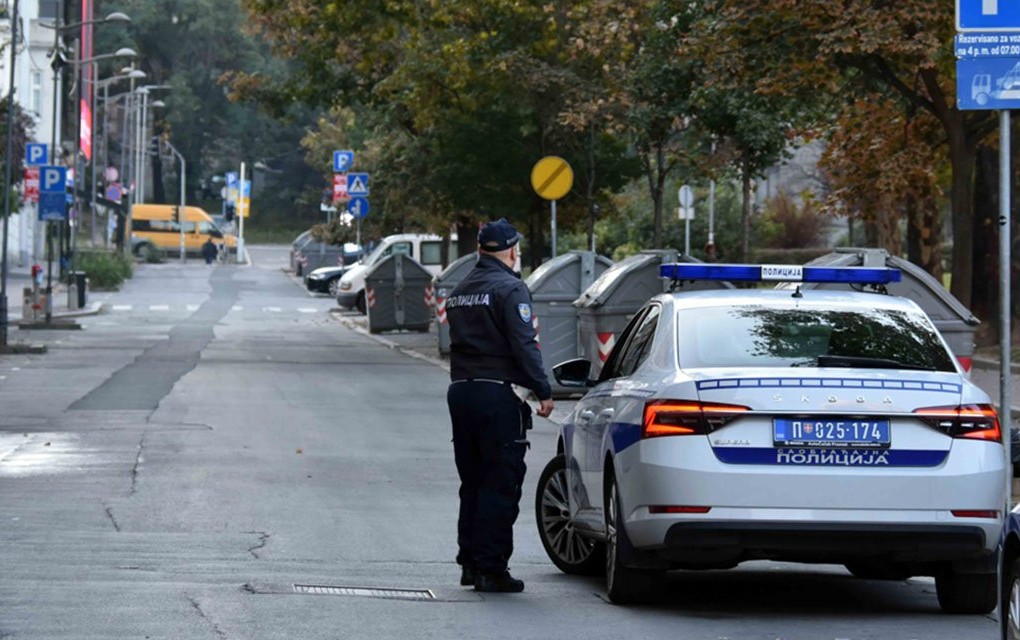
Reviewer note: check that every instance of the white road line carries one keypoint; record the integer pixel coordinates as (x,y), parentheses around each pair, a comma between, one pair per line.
(272,309)
(237,307)
(122,307)
(159,307)
(193,307)
(307,310)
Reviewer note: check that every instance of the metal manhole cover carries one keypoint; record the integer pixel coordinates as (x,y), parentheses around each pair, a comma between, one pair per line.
(364,592)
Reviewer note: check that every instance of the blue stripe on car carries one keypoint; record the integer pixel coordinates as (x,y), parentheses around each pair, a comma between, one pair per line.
(830,457)
(829,383)
(624,434)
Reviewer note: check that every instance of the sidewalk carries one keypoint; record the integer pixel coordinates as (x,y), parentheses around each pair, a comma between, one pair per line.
(19,277)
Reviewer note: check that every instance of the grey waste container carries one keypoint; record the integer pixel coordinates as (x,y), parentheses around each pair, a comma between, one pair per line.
(295,252)
(81,282)
(442,285)
(609,303)
(554,286)
(953,320)
(395,293)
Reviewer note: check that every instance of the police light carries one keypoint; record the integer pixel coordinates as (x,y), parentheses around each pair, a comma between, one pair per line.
(779,273)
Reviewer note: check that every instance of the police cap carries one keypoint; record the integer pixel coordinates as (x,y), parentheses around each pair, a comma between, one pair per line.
(498,235)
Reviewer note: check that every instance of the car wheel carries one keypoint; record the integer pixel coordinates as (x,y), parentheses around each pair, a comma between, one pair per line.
(624,585)
(360,304)
(334,287)
(1009,614)
(571,552)
(966,592)
(877,571)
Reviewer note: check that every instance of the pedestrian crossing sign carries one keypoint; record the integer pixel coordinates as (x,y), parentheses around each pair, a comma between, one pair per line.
(357,184)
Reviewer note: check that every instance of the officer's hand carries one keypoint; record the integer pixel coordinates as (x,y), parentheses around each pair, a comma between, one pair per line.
(545,407)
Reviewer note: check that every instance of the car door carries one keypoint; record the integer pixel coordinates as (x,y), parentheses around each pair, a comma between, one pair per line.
(584,463)
(623,404)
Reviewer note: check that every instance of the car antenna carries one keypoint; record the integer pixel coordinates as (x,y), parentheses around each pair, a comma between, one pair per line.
(797,293)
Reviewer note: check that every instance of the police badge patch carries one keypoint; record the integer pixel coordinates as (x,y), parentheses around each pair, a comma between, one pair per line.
(524,311)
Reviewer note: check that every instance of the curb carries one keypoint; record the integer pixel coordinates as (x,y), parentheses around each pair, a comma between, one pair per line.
(990,364)
(355,326)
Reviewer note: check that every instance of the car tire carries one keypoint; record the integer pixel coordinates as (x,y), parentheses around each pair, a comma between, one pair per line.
(624,585)
(877,571)
(360,304)
(334,287)
(1009,612)
(970,593)
(571,552)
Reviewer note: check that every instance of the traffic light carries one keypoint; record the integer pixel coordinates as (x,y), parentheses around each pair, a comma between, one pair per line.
(177,214)
(229,212)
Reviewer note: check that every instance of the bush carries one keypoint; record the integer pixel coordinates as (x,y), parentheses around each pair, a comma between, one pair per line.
(104,269)
(152,255)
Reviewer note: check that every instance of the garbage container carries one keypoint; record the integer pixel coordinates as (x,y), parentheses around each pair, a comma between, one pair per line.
(953,320)
(554,286)
(442,285)
(296,258)
(395,295)
(605,308)
(77,284)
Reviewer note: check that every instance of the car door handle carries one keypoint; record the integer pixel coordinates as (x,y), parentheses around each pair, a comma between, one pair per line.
(586,416)
(606,413)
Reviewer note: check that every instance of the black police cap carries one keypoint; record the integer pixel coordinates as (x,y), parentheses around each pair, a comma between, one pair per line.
(498,235)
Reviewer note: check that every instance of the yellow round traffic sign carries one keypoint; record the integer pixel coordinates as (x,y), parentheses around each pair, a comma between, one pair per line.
(552,177)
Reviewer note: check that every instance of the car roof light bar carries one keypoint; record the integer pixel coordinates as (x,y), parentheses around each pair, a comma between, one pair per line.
(779,273)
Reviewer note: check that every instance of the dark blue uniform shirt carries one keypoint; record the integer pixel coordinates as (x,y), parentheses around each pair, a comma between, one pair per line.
(491,331)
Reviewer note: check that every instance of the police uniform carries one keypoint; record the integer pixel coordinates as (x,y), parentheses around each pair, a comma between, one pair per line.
(492,345)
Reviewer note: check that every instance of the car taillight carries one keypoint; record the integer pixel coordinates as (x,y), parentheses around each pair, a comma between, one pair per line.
(974,421)
(686,417)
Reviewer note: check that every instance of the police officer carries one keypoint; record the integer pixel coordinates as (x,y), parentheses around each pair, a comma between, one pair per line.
(492,345)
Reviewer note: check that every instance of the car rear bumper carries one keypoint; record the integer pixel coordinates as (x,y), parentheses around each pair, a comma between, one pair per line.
(693,542)
(347,299)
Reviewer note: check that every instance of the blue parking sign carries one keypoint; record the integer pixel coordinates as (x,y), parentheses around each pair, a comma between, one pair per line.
(52,179)
(35,154)
(52,206)
(343,161)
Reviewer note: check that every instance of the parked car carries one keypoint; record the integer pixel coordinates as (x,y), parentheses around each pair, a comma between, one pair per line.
(158,226)
(327,279)
(802,426)
(1009,605)
(425,248)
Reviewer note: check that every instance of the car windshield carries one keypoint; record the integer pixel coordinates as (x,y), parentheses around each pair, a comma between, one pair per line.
(758,336)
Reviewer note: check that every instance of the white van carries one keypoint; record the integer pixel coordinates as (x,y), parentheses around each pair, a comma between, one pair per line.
(425,248)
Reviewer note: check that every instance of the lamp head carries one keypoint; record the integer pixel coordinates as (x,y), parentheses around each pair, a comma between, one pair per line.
(117,16)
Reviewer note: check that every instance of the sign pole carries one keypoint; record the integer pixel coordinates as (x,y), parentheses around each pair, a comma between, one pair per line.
(241,212)
(553,205)
(7,183)
(1005,381)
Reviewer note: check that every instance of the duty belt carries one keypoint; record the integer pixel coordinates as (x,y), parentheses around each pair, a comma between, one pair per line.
(489,380)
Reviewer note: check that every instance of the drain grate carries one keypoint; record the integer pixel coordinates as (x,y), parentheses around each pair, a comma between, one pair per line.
(365,592)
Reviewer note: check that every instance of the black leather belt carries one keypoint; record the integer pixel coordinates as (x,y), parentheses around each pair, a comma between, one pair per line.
(489,380)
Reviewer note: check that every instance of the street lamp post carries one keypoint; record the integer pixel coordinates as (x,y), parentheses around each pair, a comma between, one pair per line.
(182,216)
(132,74)
(141,132)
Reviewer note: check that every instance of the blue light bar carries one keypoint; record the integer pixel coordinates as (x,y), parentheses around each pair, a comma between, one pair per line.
(779,273)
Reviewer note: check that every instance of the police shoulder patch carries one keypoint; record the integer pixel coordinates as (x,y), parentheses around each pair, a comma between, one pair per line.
(524,311)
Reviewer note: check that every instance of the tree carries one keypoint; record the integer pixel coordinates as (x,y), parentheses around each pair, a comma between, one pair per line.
(805,51)
(23,128)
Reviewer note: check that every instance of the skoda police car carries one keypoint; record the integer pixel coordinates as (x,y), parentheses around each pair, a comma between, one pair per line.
(783,424)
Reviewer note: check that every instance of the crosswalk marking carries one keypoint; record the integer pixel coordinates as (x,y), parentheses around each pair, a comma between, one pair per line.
(193,307)
(159,307)
(122,307)
(272,309)
(307,310)
(237,307)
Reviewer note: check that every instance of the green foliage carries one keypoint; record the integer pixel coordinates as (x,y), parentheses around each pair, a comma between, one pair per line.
(104,269)
(153,255)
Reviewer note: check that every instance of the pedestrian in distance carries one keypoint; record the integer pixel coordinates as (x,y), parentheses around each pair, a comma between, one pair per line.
(209,251)
(493,345)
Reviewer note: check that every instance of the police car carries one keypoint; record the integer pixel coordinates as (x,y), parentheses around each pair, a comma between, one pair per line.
(783,424)
(1009,611)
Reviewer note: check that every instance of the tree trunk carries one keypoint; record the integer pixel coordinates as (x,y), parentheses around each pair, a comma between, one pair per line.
(985,281)
(745,215)
(924,236)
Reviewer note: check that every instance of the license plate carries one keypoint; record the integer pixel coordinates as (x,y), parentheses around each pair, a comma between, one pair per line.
(830,432)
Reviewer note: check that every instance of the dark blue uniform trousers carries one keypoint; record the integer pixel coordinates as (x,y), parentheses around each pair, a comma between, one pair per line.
(489,441)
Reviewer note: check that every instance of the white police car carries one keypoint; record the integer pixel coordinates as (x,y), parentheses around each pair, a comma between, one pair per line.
(806,426)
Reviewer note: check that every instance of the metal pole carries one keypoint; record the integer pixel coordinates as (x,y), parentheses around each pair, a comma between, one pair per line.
(242,211)
(54,159)
(687,231)
(553,202)
(711,212)
(1005,379)
(95,156)
(7,179)
(184,172)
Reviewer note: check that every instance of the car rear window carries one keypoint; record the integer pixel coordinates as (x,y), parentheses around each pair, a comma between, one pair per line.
(757,336)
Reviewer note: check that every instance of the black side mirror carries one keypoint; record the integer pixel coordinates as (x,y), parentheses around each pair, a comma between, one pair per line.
(574,373)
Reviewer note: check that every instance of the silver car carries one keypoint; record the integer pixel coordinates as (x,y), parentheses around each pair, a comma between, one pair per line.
(805,426)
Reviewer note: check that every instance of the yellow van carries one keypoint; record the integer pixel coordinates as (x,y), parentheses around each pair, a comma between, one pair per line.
(153,225)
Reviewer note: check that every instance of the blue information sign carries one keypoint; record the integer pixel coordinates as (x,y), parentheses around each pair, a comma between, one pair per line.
(987,15)
(343,161)
(988,83)
(357,184)
(231,178)
(52,206)
(358,207)
(987,45)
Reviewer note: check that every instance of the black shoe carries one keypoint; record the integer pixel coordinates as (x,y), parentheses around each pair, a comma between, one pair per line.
(467,575)
(498,583)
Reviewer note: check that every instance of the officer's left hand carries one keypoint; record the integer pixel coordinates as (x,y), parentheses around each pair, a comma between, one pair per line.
(545,407)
